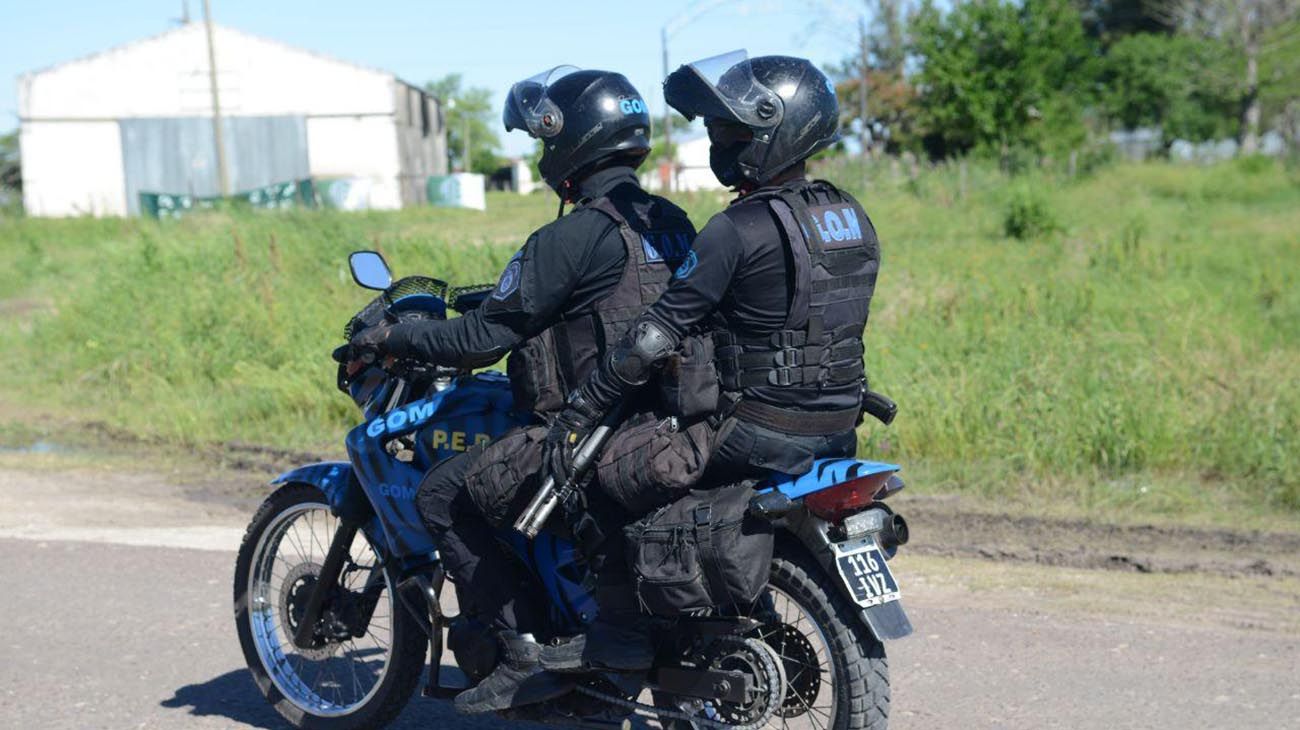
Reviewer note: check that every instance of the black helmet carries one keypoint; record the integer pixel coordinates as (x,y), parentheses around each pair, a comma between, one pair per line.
(788,104)
(582,118)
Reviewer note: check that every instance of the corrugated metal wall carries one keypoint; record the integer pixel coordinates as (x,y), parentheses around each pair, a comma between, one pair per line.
(421,140)
(177,155)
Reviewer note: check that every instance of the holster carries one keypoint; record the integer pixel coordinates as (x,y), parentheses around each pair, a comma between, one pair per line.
(688,383)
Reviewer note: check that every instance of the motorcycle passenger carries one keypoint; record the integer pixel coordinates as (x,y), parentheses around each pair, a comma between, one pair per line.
(788,269)
(575,285)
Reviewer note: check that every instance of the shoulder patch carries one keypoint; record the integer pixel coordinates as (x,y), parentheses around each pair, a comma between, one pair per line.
(688,265)
(665,245)
(509,282)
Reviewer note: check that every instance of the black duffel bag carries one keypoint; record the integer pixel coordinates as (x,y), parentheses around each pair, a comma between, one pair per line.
(702,551)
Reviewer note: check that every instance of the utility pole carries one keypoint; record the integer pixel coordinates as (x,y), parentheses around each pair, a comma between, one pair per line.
(465,154)
(223,178)
(667,116)
(674,24)
(862,81)
(864,133)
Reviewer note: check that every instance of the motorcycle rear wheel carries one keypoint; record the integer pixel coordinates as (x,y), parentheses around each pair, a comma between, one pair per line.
(338,685)
(837,675)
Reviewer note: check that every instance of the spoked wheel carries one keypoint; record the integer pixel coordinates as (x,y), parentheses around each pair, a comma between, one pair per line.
(837,677)
(365,654)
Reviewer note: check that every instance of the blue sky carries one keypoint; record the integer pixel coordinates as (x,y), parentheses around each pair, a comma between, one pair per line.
(492,43)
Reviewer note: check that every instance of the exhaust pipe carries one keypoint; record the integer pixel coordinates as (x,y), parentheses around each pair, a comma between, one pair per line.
(894,532)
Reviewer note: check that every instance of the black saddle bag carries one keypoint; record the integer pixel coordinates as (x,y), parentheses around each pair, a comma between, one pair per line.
(702,551)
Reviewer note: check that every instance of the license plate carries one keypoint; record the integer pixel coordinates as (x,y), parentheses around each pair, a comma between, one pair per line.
(863,569)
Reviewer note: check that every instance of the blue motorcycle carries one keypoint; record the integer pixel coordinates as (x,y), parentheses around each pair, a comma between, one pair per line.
(338,586)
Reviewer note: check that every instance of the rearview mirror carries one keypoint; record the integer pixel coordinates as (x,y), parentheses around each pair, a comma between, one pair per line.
(370,270)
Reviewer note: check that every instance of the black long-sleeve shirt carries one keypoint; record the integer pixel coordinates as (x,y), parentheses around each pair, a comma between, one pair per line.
(740,271)
(740,268)
(563,269)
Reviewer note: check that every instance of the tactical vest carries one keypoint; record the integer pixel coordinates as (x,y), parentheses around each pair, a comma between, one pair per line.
(546,368)
(807,377)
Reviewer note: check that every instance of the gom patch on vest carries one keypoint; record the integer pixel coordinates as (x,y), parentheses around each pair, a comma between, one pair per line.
(836,225)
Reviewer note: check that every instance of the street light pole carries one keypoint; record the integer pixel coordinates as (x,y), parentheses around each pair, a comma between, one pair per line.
(671,182)
(223,177)
(862,97)
(465,154)
(674,24)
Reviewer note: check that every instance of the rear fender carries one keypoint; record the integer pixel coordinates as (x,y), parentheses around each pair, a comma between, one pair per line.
(886,621)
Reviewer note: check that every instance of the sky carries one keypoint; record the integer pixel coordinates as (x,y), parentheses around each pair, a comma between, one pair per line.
(493,44)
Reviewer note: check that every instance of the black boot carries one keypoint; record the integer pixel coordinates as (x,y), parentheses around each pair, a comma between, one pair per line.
(607,646)
(518,680)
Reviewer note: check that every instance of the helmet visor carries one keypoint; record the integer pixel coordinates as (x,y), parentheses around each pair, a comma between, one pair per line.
(530,109)
(723,87)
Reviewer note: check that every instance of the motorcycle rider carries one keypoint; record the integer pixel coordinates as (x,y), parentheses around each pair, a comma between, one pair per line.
(789,268)
(575,284)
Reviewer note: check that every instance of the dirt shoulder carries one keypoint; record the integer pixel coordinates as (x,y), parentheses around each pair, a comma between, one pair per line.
(112,474)
(951,527)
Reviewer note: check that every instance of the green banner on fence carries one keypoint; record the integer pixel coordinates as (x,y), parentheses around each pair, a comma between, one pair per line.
(276,196)
(460,190)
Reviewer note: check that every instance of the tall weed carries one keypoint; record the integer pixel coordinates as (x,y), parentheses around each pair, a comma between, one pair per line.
(1152,339)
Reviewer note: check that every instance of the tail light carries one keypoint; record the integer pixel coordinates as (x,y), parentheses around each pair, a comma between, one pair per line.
(845,498)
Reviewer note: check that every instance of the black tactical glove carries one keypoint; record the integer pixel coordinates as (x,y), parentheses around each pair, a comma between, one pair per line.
(371,343)
(573,424)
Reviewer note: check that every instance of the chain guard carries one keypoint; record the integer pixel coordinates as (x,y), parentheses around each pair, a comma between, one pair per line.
(725,653)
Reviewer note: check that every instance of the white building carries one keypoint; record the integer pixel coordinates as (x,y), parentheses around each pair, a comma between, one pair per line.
(98,131)
(693,171)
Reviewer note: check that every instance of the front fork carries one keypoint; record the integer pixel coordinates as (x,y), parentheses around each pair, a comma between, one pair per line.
(326,583)
(418,594)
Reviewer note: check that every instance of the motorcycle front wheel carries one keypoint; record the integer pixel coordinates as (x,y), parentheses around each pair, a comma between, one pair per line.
(361,670)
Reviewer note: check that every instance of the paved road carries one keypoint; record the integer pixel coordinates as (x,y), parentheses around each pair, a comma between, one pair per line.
(112,636)
(116,614)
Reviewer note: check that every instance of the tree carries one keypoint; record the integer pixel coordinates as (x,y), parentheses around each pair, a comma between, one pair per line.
(878,70)
(1112,20)
(997,75)
(681,129)
(1279,79)
(1182,84)
(1242,25)
(468,113)
(11,169)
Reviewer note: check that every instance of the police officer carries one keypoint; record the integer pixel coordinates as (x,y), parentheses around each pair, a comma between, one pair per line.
(789,267)
(575,285)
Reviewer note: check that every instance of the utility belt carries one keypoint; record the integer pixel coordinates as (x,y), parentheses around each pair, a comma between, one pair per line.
(797,422)
(808,423)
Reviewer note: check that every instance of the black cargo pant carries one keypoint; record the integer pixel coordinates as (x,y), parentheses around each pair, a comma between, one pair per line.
(491,585)
(747,450)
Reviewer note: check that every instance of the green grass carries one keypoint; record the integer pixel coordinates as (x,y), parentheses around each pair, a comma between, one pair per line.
(1136,348)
